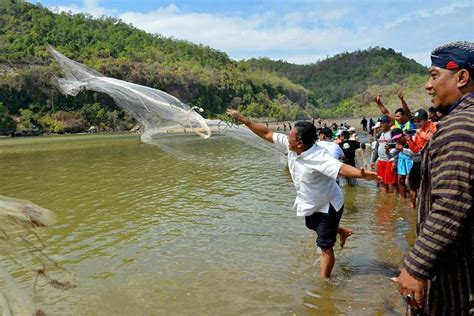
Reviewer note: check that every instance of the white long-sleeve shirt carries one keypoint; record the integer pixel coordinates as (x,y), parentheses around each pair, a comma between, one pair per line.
(314,173)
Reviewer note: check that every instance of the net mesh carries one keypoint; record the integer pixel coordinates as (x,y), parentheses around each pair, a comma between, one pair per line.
(162,115)
(24,254)
(153,108)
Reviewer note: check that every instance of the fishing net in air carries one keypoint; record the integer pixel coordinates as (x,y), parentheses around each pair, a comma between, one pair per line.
(167,121)
(155,109)
(23,253)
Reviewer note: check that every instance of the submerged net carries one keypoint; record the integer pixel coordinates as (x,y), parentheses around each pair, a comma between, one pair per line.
(24,250)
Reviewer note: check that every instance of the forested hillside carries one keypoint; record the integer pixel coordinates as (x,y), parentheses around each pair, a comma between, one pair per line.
(344,75)
(196,74)
(199,75)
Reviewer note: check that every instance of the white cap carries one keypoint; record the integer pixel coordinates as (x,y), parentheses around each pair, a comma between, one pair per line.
(351,129)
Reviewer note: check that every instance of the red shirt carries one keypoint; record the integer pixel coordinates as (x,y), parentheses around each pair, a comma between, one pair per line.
(422,136)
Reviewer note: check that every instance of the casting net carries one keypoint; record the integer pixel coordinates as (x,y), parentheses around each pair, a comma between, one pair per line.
(155,109)
(24,256)
(162,115)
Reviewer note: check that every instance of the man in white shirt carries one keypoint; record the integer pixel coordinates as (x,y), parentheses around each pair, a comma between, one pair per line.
(325,141)
(314,172)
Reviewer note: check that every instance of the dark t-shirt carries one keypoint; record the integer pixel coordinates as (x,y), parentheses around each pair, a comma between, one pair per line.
(349,148)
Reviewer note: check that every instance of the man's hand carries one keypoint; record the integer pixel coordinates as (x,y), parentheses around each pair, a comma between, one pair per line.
(377,99)
(401,94)
(237,116)
(411,288)
(399,147)
(369,175)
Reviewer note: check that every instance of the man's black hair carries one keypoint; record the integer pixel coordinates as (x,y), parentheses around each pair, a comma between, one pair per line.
(432,110)
(306,132)
(326,131)
(400,110)
(345,134)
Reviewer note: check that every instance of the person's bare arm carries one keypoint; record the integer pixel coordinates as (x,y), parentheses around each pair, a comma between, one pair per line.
(351,172)
(382,107)
(406,109)
(259,129)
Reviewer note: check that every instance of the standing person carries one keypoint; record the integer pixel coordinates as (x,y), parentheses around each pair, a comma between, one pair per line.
(438,272)
(414,176)
(386,169)
(371,127)
(349,147)
(401,120)
(402,117)
(425,129)
(403,161)
(352,133)
(314,174)
(363,122)
(325,141)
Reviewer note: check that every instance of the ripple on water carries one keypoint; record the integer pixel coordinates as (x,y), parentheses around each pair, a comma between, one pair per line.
(147,232)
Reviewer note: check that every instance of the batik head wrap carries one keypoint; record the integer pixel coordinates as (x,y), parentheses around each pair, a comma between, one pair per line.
(456,55)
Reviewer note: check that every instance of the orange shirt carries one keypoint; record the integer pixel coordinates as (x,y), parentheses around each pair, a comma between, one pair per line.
(422,136)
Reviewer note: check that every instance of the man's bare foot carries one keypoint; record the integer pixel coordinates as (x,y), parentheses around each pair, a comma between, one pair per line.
(343,234)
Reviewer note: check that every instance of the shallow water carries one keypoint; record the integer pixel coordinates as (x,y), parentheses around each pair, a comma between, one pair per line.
(148,233)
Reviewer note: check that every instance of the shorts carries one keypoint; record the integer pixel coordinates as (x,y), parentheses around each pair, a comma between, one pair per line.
(384,170)
(415,176)
(404,165)
(325,225)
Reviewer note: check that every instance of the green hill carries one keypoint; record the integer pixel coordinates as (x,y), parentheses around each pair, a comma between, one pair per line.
(345,75)
(199,75)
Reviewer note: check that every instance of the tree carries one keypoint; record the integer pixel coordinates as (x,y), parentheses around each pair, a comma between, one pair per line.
(7,124)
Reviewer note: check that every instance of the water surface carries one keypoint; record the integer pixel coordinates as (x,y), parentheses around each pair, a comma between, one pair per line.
(148,233)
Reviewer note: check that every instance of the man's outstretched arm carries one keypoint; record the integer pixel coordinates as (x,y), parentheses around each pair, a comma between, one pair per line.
(351,172)
(259,129)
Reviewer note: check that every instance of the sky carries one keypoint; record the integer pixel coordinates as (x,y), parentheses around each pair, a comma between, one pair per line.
(299,32)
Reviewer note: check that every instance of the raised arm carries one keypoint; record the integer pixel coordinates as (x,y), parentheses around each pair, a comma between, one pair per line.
(378,100)
(259,129)
(406,109)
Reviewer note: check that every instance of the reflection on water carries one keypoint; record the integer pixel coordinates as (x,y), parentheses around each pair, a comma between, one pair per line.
(148,233)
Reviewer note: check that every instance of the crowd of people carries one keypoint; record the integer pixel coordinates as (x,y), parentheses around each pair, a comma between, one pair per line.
(432,150)
(400,139)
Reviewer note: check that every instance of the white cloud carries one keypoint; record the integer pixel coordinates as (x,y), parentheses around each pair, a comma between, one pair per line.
(430,13)
(304,35)
(245,36)
(305,59)
(91,7)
